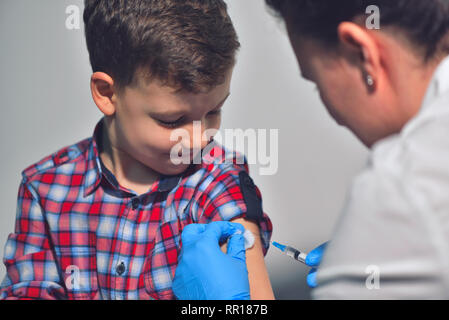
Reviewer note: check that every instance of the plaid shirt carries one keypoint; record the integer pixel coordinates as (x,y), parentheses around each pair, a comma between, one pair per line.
(80,235)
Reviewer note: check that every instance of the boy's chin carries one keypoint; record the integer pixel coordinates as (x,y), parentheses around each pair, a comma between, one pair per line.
(171,169)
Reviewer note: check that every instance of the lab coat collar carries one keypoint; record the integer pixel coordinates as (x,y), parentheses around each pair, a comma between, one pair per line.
(438,85)
(431,107)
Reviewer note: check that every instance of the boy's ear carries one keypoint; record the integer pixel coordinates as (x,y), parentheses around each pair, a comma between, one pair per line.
(103,92)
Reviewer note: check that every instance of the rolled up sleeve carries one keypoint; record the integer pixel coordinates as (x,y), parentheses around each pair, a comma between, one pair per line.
(225,201)
(32,271)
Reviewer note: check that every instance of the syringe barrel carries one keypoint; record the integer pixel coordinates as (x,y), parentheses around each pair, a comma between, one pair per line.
(295,254)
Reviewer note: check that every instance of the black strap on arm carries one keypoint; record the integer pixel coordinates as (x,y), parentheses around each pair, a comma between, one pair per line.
(253,203)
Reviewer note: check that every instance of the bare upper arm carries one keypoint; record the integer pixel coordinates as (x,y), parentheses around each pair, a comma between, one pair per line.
(259,281)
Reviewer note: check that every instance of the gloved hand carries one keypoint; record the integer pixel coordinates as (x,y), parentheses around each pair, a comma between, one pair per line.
(204,272)
(313,259)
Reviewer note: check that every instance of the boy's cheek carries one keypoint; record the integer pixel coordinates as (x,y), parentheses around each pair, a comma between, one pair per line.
(157,143)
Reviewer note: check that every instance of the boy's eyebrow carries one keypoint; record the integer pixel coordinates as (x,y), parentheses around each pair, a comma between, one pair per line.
(223,101)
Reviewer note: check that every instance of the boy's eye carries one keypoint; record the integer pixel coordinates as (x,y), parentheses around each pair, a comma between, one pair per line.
(177,123)
(215,112)
(171,124)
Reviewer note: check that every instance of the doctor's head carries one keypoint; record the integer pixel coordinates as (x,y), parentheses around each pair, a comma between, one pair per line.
(372,60)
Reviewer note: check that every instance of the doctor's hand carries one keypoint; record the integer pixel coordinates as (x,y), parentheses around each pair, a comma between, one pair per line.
(313,260)
(204,272)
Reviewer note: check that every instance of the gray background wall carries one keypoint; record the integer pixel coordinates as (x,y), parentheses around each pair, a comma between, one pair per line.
(46,104)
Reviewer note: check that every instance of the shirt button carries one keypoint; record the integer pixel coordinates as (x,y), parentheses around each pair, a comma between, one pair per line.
(135,203)
(120,268)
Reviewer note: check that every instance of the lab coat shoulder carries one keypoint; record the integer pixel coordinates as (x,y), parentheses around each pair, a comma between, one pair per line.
(424,159)
(392,238)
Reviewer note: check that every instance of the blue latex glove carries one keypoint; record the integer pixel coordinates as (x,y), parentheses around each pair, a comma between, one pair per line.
(313,260)
(204,272)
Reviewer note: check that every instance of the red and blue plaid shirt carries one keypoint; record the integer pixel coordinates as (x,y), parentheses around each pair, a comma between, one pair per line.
(80,235)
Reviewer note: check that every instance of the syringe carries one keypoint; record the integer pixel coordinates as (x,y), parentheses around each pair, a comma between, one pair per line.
(291,252)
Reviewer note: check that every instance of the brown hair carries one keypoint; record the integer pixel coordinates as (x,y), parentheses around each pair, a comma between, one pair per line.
(185,44)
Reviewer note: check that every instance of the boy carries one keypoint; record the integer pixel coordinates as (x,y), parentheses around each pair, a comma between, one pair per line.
(102,219)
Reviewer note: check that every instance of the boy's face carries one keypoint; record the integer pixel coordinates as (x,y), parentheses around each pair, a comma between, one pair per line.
(146,115)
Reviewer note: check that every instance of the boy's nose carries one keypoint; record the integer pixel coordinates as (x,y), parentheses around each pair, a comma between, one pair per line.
(195,137)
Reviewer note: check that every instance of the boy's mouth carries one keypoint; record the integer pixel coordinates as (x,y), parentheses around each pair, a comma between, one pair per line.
(192,155)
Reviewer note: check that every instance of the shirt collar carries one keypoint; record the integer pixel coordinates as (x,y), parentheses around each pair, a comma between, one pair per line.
(93,174)
(438,85)
(96,172)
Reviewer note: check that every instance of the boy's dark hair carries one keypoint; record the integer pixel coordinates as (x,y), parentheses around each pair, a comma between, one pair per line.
(425,22)
(185,44)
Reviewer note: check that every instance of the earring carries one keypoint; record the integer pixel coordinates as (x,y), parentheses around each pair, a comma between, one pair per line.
(369,81)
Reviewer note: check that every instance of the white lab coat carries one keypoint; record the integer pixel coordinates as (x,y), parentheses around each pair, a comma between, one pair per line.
(392,239)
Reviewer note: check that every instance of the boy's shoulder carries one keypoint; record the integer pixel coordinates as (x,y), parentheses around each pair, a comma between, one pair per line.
(222,189)
(68,155)
(218,160)
(221,170)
